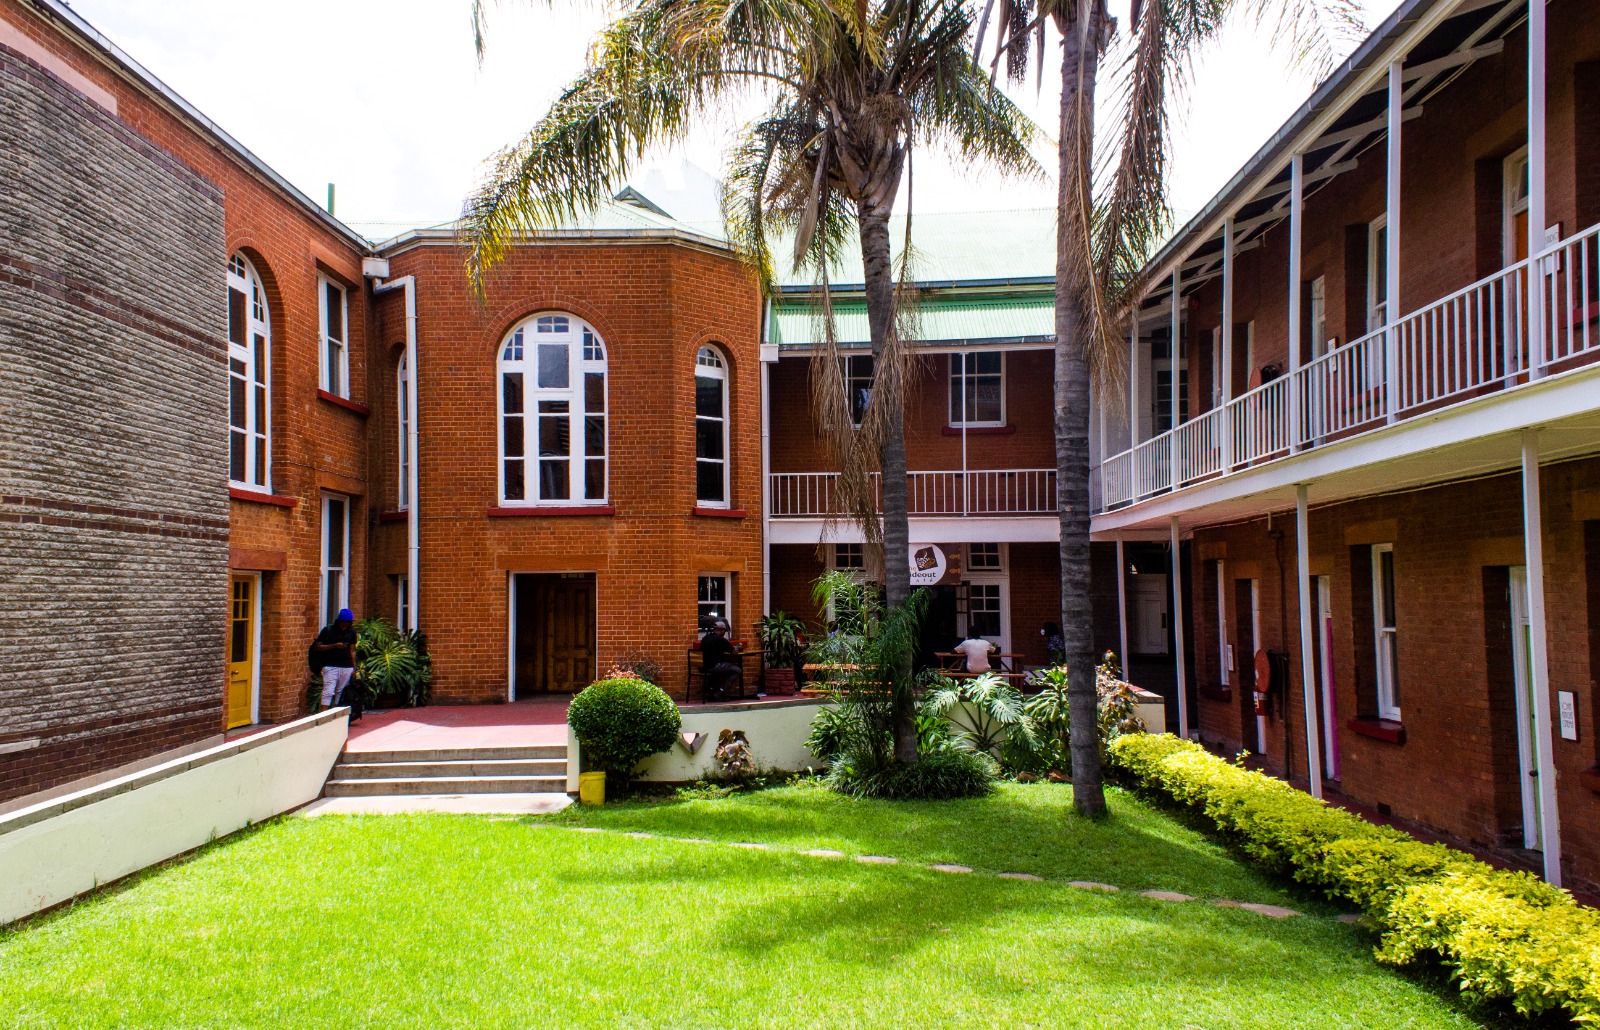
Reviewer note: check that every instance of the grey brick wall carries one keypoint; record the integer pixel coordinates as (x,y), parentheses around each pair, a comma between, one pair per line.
(113,460)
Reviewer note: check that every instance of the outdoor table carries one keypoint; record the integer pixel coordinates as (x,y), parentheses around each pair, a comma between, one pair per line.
(694,670)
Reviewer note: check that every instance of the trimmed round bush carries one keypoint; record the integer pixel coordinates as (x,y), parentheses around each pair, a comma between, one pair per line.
(621,722)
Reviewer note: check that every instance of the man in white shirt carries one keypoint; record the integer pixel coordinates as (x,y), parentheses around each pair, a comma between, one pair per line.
(977,651)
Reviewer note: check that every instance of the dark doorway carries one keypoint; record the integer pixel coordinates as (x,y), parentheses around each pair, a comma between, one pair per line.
(554,642)
(1245,614)
(940,631)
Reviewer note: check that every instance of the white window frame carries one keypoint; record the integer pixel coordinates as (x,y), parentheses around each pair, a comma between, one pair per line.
(999,553)
(329,569)
(712,364)
(957,366)
(403,603)
(333,356)
(252,365)
(850,368)
(586,355)
(402,377)
(1002,597)
(1385,638)
(1377,276)
(1249,352)
(700,613)
(1514,196)
(1216,368)
(1177,370)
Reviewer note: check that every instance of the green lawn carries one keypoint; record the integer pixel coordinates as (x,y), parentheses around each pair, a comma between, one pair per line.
(454,921)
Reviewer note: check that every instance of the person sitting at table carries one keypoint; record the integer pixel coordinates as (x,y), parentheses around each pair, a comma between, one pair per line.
(977,651)
(719,664)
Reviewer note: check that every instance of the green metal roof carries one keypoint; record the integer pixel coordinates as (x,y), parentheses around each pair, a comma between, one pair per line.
(961,246)
(955,318)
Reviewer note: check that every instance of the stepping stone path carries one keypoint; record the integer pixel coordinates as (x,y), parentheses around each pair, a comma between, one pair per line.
(1351,917)
(1269,911)
(1167,896)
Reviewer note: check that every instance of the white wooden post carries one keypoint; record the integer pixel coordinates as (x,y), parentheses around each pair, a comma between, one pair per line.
(1538,652)
(1536,186)
(1296,217)
(1174,350)
(1226,426)
(1177,630)
(1308,672)
(1122,610)
(1391,304)
(1133,384)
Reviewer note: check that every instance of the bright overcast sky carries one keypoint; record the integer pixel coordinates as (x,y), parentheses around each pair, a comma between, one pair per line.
(386,99)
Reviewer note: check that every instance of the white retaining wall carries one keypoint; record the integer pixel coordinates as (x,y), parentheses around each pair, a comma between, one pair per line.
(776,730)
(59,848)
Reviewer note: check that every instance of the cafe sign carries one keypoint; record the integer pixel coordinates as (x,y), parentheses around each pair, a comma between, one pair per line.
(928,565)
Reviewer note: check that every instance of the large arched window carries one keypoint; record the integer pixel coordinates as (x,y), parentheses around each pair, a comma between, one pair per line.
(249,362)
(711,428)
(552,413)
(403,401)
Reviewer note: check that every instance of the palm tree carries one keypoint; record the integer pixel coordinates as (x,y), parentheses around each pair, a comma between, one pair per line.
(1108,224)
(851,87)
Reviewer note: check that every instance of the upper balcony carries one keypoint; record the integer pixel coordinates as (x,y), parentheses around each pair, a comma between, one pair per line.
(990,504)
(1517,349)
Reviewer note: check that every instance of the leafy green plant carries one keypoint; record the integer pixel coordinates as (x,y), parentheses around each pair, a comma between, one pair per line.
(621,722)
(1116,713)
(943,770)
(985,711)
(782,638)
(392,662)
(830,728)
(1505,935)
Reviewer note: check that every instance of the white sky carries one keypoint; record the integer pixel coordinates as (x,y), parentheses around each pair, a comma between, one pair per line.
(385,98)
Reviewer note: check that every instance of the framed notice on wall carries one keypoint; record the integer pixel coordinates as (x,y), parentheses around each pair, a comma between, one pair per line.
(1567,712)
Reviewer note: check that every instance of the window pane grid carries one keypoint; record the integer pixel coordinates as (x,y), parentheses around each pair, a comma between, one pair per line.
(335,350)
(977,389)
(249,394)
(564,380)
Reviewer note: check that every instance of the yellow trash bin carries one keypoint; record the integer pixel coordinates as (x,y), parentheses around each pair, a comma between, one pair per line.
(592,788)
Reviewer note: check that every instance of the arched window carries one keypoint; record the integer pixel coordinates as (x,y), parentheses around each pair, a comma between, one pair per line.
(711,428)
(403,399)
(552,413)
(249,362)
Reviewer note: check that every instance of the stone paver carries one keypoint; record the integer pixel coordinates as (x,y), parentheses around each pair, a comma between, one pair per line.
(641,835)
(950,868)
(1270,911)
(1090,885)
(823,853)
(752,845)
(877,859)
(1351,917)
(449,804)
(1165,896)
(1020,876)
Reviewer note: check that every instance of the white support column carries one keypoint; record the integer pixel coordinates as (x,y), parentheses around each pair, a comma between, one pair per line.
(1538,654)
(1122,609)
(1133,382)
(766,487)
(1536,184)
(1174,351)
(1177,630)
(1308,669)
(1297,204)
(1391,306)
(1226,425)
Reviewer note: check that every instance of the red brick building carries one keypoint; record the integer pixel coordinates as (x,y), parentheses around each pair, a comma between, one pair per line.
(1383,473)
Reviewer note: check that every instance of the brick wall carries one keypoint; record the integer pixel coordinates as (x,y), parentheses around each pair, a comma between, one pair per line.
(654,305)
(1457,768)
(113,518)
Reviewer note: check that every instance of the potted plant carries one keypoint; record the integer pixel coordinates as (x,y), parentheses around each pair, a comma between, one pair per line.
(394,666)
(783,644)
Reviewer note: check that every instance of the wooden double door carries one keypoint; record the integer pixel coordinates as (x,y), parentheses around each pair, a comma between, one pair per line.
(554,632)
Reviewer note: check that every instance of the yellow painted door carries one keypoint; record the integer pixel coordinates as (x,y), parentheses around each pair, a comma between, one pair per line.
(241,651)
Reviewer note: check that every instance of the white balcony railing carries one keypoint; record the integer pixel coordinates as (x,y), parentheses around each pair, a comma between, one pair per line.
(1537,317)
(987,492)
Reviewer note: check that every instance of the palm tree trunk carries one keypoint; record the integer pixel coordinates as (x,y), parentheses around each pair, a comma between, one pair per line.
(1079,64)
(878,270)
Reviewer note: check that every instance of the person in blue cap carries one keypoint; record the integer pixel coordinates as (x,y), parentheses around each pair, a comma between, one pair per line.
(335,653)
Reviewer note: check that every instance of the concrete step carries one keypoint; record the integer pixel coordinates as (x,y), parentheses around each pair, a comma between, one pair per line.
(461,754)
(363,770)
(440,785)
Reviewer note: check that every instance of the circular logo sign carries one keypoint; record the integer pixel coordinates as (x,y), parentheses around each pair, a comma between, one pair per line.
(928,565)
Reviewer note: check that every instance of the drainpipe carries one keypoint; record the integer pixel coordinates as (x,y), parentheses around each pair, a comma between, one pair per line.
(766,459)
(413,549)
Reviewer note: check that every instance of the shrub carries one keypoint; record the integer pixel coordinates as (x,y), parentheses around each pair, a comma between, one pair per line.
(1504,935)
(944,770)
(830,730)
(635,665)
(621,722)
(985,711)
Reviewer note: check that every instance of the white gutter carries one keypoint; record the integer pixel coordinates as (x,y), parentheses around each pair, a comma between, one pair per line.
(413,547)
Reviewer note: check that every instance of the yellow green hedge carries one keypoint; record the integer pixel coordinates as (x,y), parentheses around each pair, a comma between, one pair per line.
(1504,935)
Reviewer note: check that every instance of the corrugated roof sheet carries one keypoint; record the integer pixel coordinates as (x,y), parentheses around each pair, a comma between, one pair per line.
(993,318)
(962,247)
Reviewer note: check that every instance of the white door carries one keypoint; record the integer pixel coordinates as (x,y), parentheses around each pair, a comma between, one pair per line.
(1330,707)
(1150,614)
(1255,636)
(1527,740)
